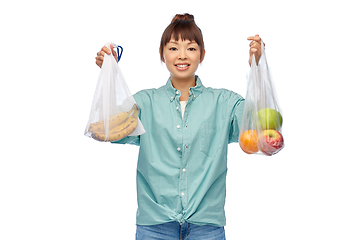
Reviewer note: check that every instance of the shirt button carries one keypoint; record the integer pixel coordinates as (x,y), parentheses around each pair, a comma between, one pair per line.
(172,98)
(177,108)
(178,149)
(184,170)
(182,193)
(177,92)
(178,126)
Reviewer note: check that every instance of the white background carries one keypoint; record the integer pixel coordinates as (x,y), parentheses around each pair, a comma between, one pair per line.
(55,183)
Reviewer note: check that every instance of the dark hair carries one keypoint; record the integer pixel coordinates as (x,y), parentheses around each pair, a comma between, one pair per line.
(182,26)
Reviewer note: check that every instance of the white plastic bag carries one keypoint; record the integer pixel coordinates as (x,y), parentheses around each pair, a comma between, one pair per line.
(114,112)
(261,126)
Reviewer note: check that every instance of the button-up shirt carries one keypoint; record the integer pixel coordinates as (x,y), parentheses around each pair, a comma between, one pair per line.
(182,161)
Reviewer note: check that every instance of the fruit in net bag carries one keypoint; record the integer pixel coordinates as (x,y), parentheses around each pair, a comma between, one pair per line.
(261,112)
(120,126)
(249,141)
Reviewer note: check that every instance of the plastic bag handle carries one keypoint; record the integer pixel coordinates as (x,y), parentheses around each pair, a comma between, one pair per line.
(118,48)
(119,53)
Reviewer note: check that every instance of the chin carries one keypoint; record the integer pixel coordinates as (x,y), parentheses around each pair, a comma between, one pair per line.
(182,76)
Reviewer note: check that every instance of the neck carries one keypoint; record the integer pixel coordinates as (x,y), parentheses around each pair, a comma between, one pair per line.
(183,86)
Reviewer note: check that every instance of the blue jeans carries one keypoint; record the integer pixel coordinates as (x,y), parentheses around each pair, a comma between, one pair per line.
(175,231)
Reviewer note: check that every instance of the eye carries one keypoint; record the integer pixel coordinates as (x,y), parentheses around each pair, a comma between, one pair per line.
(192,49)
(172,49)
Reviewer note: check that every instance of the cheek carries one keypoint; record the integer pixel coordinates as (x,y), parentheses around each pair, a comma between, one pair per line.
(196,58)
(168,63)
(168,57)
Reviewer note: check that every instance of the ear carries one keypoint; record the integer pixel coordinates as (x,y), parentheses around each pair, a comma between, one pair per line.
(203,56)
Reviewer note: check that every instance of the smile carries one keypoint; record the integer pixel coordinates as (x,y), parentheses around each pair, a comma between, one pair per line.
(182,66)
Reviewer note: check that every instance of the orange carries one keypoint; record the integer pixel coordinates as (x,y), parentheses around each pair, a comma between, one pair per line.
(248,141)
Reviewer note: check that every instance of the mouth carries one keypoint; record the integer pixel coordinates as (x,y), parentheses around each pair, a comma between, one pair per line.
(182,66)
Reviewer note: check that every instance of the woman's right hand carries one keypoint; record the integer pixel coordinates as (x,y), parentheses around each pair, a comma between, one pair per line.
(100,55)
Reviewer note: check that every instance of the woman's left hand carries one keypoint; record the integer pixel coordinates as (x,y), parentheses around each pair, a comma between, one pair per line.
(255,48)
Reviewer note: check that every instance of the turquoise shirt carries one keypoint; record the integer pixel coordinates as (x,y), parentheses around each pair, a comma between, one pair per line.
(182,162)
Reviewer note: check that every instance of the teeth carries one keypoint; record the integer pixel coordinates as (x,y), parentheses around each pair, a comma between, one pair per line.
(182,66)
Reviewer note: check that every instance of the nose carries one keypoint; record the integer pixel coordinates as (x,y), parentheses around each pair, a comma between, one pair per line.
(182,54)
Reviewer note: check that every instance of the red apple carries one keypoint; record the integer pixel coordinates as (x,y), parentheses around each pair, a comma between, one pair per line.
(270,141)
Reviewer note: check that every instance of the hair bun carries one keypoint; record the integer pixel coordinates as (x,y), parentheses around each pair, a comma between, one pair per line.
(186,17)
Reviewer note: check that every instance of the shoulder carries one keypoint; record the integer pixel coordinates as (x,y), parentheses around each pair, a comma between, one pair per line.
(225,94)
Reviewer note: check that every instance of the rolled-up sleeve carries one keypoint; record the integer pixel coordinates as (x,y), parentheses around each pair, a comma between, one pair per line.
(236,105)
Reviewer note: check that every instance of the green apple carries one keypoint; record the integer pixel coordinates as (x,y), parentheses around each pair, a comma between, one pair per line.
(270,119)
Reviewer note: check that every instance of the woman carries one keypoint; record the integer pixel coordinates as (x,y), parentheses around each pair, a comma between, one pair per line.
(182,161)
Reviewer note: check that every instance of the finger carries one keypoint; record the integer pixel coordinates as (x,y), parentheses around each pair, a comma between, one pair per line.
(99,63)
(255,38)
(113,51)
(255,44)
(100,58)
(101,53)
(106,50)
(253,50)
(110,49)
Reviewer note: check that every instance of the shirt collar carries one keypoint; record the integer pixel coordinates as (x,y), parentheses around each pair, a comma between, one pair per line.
(194,91)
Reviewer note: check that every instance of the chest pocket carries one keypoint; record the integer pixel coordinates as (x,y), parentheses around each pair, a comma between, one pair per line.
(210,138)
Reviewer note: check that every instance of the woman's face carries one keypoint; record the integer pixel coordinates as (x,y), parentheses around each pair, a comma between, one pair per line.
(182,58)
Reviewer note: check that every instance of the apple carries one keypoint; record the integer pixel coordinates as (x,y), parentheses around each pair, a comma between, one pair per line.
(270,119)
(270,142)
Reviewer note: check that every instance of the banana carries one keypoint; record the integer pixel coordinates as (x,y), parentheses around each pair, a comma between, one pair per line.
(121,130)
(113,121)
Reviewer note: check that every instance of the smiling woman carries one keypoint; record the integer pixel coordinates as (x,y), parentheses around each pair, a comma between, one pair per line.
(182,159)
